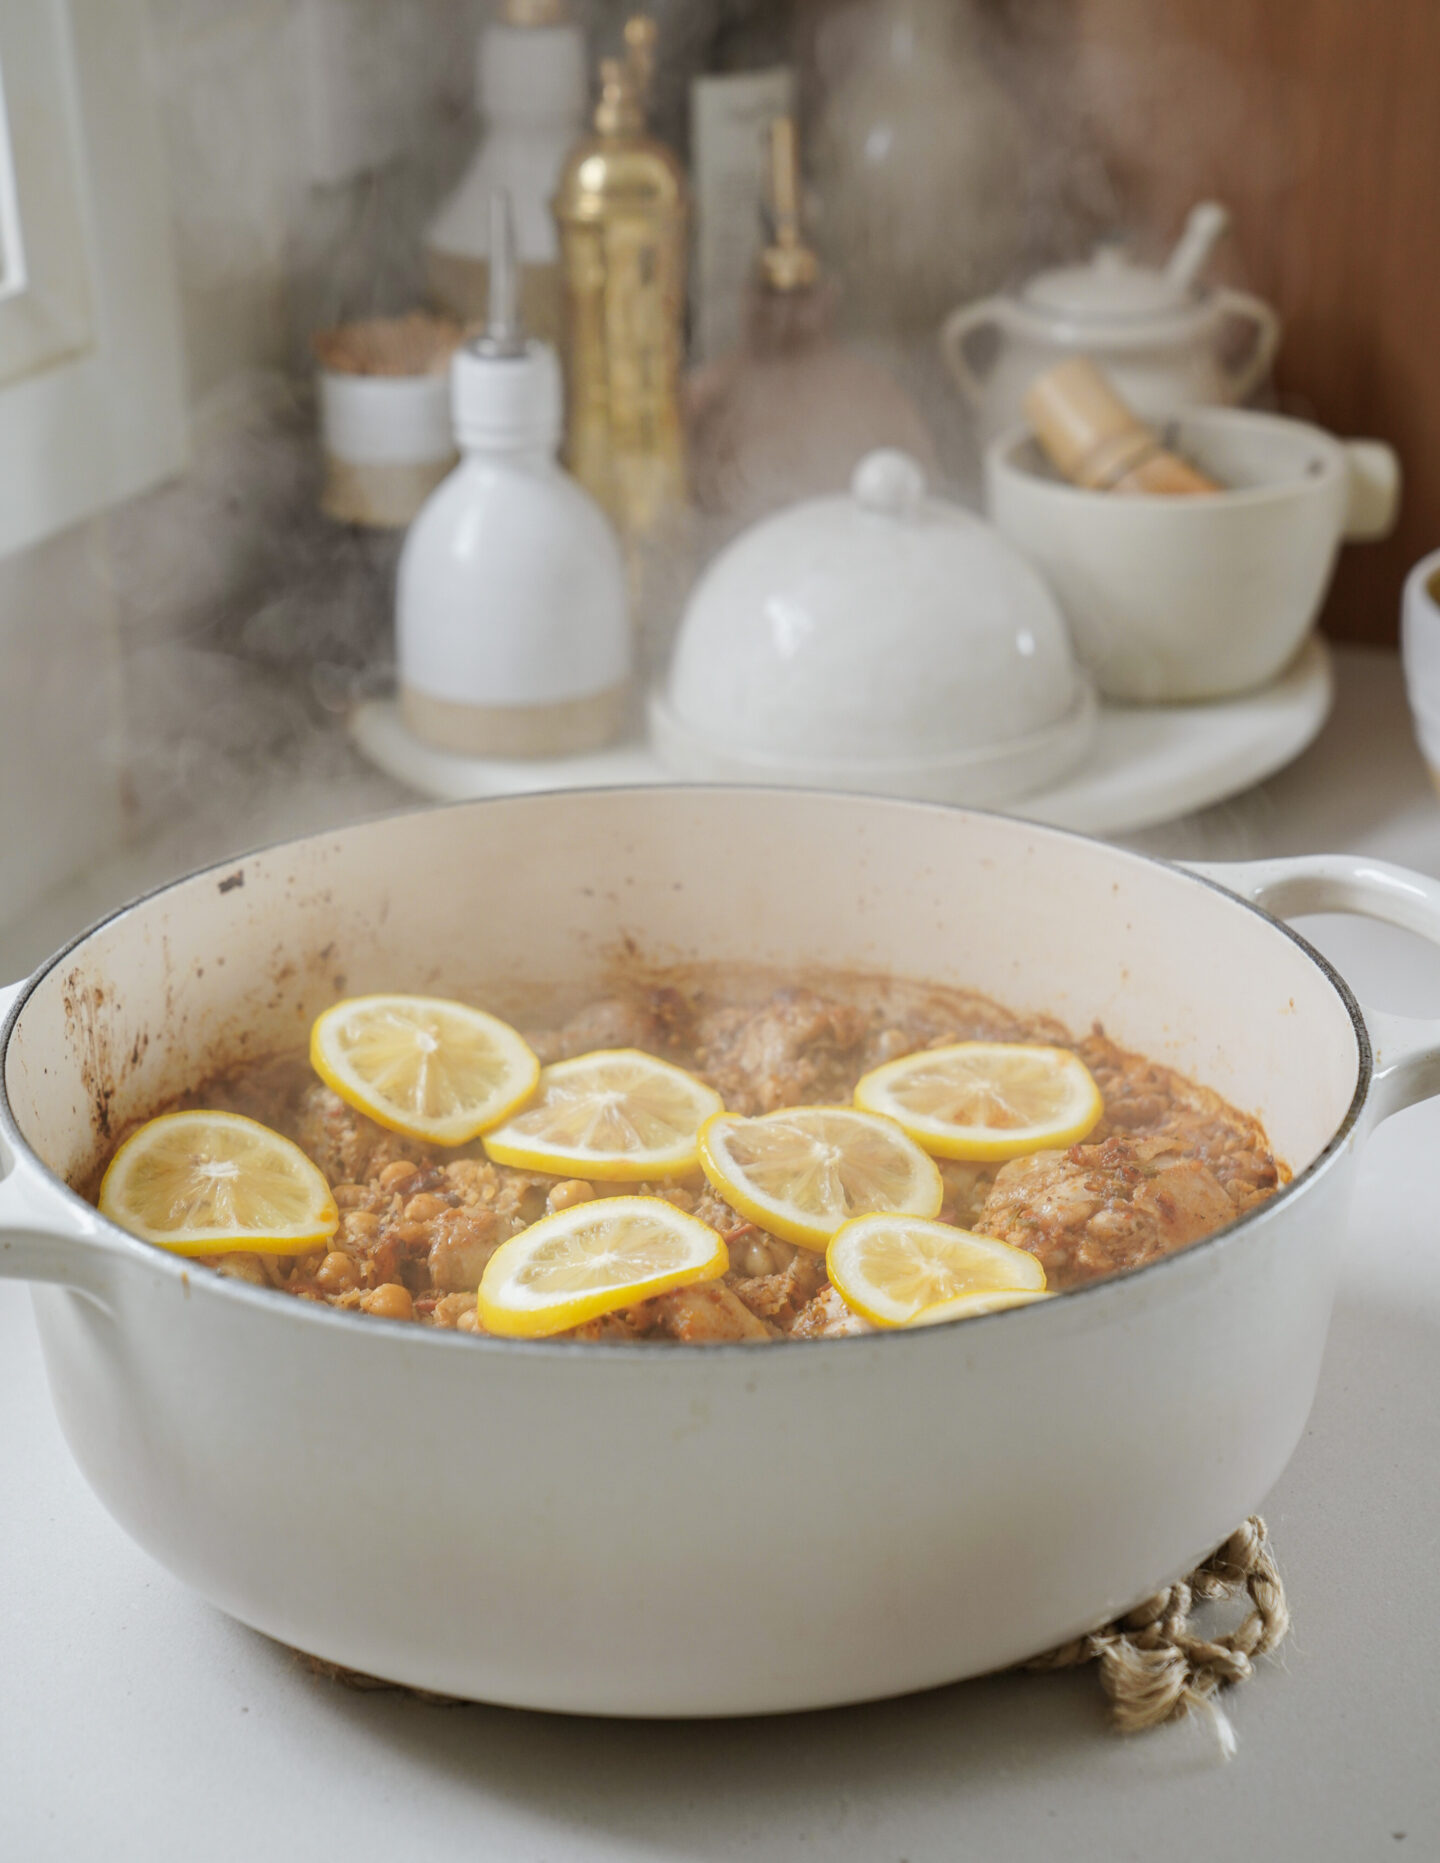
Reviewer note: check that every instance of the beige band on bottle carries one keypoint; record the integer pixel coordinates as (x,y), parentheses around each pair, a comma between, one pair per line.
(560,729)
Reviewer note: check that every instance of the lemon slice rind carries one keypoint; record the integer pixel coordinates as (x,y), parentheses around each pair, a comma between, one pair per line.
(897,1270)
(593,1259)
(614,1094)
(433,1070)
(921,1092)
(156,1169)
(811,1223)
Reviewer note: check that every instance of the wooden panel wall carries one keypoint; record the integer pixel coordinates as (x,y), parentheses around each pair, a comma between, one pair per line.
(1318,122)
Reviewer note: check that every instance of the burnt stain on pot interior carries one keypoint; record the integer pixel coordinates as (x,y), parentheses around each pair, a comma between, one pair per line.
(89,1016)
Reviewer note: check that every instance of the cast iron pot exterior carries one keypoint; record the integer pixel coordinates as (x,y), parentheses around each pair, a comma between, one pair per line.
(671,1531)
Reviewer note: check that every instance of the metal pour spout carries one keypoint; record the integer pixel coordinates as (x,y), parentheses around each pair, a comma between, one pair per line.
(504,332)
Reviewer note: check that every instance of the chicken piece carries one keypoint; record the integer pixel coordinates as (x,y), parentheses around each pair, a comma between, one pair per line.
(1147,1101)
(1098,1209)
(444,1311)
(609,1329)
(461,1243)
(827,1317)
(799,1047)
(614,1022)
(780,1296)
(707,1313)
(905,1018)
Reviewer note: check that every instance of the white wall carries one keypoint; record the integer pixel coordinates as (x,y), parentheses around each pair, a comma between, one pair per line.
(106,702)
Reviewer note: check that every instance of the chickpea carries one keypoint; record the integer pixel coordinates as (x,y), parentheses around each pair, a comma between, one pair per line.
(565,1196)
(425,1208)
(468,1321)
(336,1274)
(361,1227)
(389,1302)
(752,1255)
(396,1176)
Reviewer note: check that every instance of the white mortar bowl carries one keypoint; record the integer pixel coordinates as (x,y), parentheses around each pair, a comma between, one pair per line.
(1180,599)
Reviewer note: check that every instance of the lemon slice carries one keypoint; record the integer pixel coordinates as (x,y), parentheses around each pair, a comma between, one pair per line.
(594,1258)
(618,1114)
(803,1172)
(434,1070)
(986,1100)
(897,1270)
(212,1183)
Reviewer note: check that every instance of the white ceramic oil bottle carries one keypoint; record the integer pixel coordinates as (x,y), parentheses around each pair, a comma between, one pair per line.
(512,625)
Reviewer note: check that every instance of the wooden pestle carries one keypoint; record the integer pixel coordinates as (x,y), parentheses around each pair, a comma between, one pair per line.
(1096,440)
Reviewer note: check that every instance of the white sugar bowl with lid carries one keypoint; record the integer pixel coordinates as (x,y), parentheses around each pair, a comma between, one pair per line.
(885,640)
(1164,340)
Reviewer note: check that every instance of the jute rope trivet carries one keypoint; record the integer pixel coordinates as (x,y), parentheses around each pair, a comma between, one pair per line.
(1152,1666)
(1155,1668)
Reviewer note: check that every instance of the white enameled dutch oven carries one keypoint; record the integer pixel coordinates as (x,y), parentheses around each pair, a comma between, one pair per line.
(683,1531)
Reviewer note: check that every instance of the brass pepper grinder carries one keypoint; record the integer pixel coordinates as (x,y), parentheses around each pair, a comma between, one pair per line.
(621,209)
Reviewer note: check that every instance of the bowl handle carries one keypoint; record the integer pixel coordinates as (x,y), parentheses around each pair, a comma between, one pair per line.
(1374,497)
(1407,1048)
(44,1234)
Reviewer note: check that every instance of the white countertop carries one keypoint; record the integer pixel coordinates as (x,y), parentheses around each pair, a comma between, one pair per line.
(137,1722)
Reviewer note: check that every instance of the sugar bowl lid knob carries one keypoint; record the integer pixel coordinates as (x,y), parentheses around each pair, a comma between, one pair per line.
(889,482)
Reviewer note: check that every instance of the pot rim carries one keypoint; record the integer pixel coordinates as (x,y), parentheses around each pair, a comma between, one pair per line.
(305,1312)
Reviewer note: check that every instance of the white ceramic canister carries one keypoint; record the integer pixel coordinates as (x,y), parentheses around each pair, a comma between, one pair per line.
(384,410)
(1164,342)
(387,443)
(1420,644)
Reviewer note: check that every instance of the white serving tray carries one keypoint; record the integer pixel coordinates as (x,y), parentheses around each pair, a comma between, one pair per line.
(1150,763)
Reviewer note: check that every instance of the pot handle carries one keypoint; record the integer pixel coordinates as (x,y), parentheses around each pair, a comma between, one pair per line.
(1254,365)
(45,1235)
(1407,1048)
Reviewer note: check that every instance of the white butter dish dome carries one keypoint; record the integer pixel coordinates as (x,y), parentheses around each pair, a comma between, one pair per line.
(887,641)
